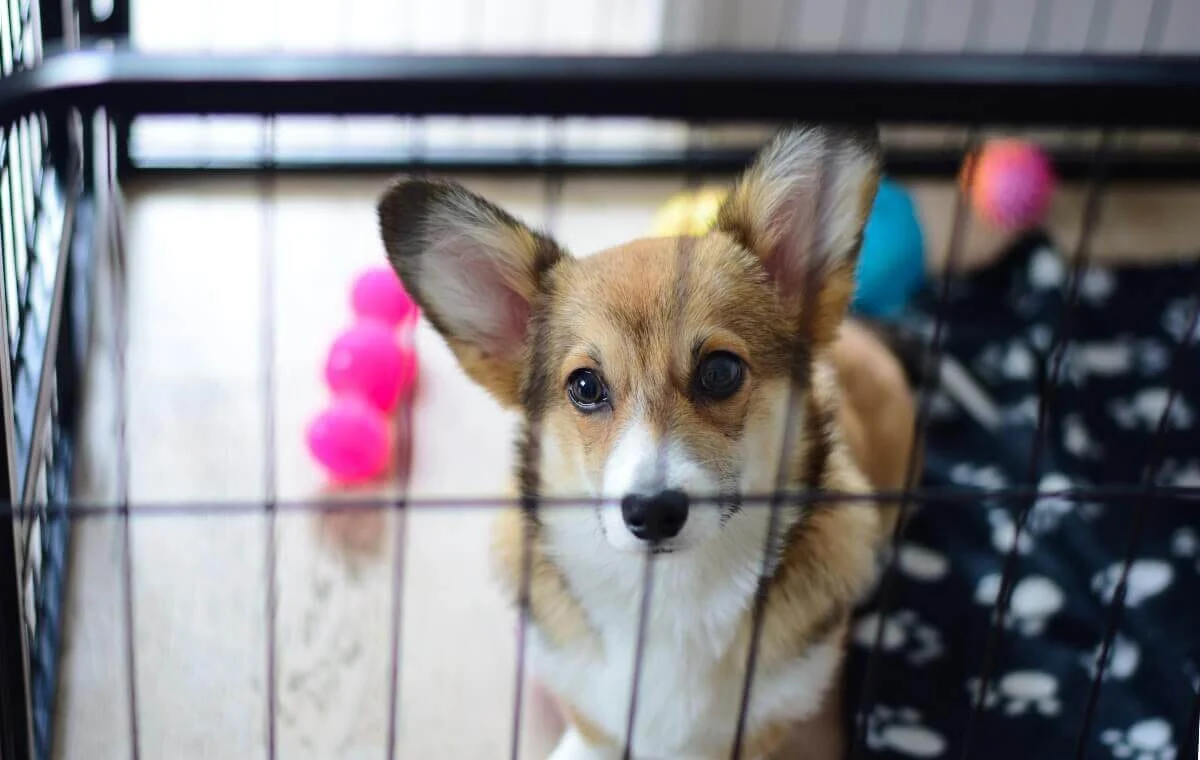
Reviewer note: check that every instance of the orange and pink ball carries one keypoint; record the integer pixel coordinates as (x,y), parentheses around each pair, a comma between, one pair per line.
(1010,184)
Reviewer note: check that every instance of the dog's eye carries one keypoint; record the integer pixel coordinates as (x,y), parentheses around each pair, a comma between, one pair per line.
(586,390)
(720,375)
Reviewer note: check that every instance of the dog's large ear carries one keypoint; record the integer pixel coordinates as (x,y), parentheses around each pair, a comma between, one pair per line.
(474,270)
(801,208)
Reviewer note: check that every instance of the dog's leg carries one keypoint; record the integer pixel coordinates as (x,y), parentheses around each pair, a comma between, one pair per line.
(573,746)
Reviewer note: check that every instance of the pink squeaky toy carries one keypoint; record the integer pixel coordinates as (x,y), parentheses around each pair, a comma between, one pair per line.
(367,360)
(350,438)
(378,294)
(369,368)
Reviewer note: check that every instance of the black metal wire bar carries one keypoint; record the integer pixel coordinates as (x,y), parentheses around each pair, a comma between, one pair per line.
(57,233)
(760,604)
(1100,91)
(693,166)
(404,440)
(812,282)
(1185,496)
(853,23)
(403,446)
(1156,25)
(18,245)
(530,466)
(694,160)
(789,24)
(115,28)
(70,350)
(16,728)
(888,582)
(27,353)
(42,237)
(1188,744)
(682,282)
(32,186)
(116,240)
(1142,509)
(728,21)
(639,653)
(267,196)
(978,17)
(1098,23)
(49,338)
(523,606)
(399,539)
(1039,29)
(914,23)
(1061,339)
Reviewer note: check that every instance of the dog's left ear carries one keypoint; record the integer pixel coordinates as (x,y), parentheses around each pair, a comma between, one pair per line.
(801,208)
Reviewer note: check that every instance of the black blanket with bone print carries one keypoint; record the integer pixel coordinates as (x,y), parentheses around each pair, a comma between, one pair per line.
(1123,407)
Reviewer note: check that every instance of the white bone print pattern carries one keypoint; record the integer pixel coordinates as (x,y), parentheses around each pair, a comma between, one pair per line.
(1021,692)
(1034,601)
(1116,371)
(1185,545)
(1177,318)
(1051,507)
(1147,578)
(1144,410)
(903,633)
(1149,739)
(922,564)
(901,731)
(1122,662)
(988,477)
(1004,533)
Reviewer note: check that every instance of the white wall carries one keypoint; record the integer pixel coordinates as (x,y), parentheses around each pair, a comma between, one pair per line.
(1014,26)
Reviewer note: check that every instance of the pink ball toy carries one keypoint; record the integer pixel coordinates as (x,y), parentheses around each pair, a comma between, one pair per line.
(350,438)
(379,294)
(367,360)
(1011,183)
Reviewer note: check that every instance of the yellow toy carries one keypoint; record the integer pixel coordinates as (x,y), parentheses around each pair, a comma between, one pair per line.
(690,212)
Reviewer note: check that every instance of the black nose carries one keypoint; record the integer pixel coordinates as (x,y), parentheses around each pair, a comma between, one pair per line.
(657,517)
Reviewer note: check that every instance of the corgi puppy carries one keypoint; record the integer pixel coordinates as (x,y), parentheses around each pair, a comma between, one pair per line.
(667,387)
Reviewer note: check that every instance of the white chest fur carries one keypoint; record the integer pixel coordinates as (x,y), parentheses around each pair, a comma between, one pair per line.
(691,675)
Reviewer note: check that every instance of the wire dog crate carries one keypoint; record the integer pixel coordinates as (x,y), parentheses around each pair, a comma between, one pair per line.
(71,112)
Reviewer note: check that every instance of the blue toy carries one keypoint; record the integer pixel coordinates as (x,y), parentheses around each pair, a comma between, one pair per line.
(891,265)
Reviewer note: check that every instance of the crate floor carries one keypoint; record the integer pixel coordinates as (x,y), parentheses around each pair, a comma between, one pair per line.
(196,271)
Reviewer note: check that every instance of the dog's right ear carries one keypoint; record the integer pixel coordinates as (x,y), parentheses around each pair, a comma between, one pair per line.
(474,270)
(801,207)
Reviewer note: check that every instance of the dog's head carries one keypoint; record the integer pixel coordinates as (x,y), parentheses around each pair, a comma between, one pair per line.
(656,375)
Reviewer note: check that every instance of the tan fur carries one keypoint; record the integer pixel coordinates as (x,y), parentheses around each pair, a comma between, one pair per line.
(877,416)
(602,304)
(827,562)
(750,214)
(829,558)
(642,314)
